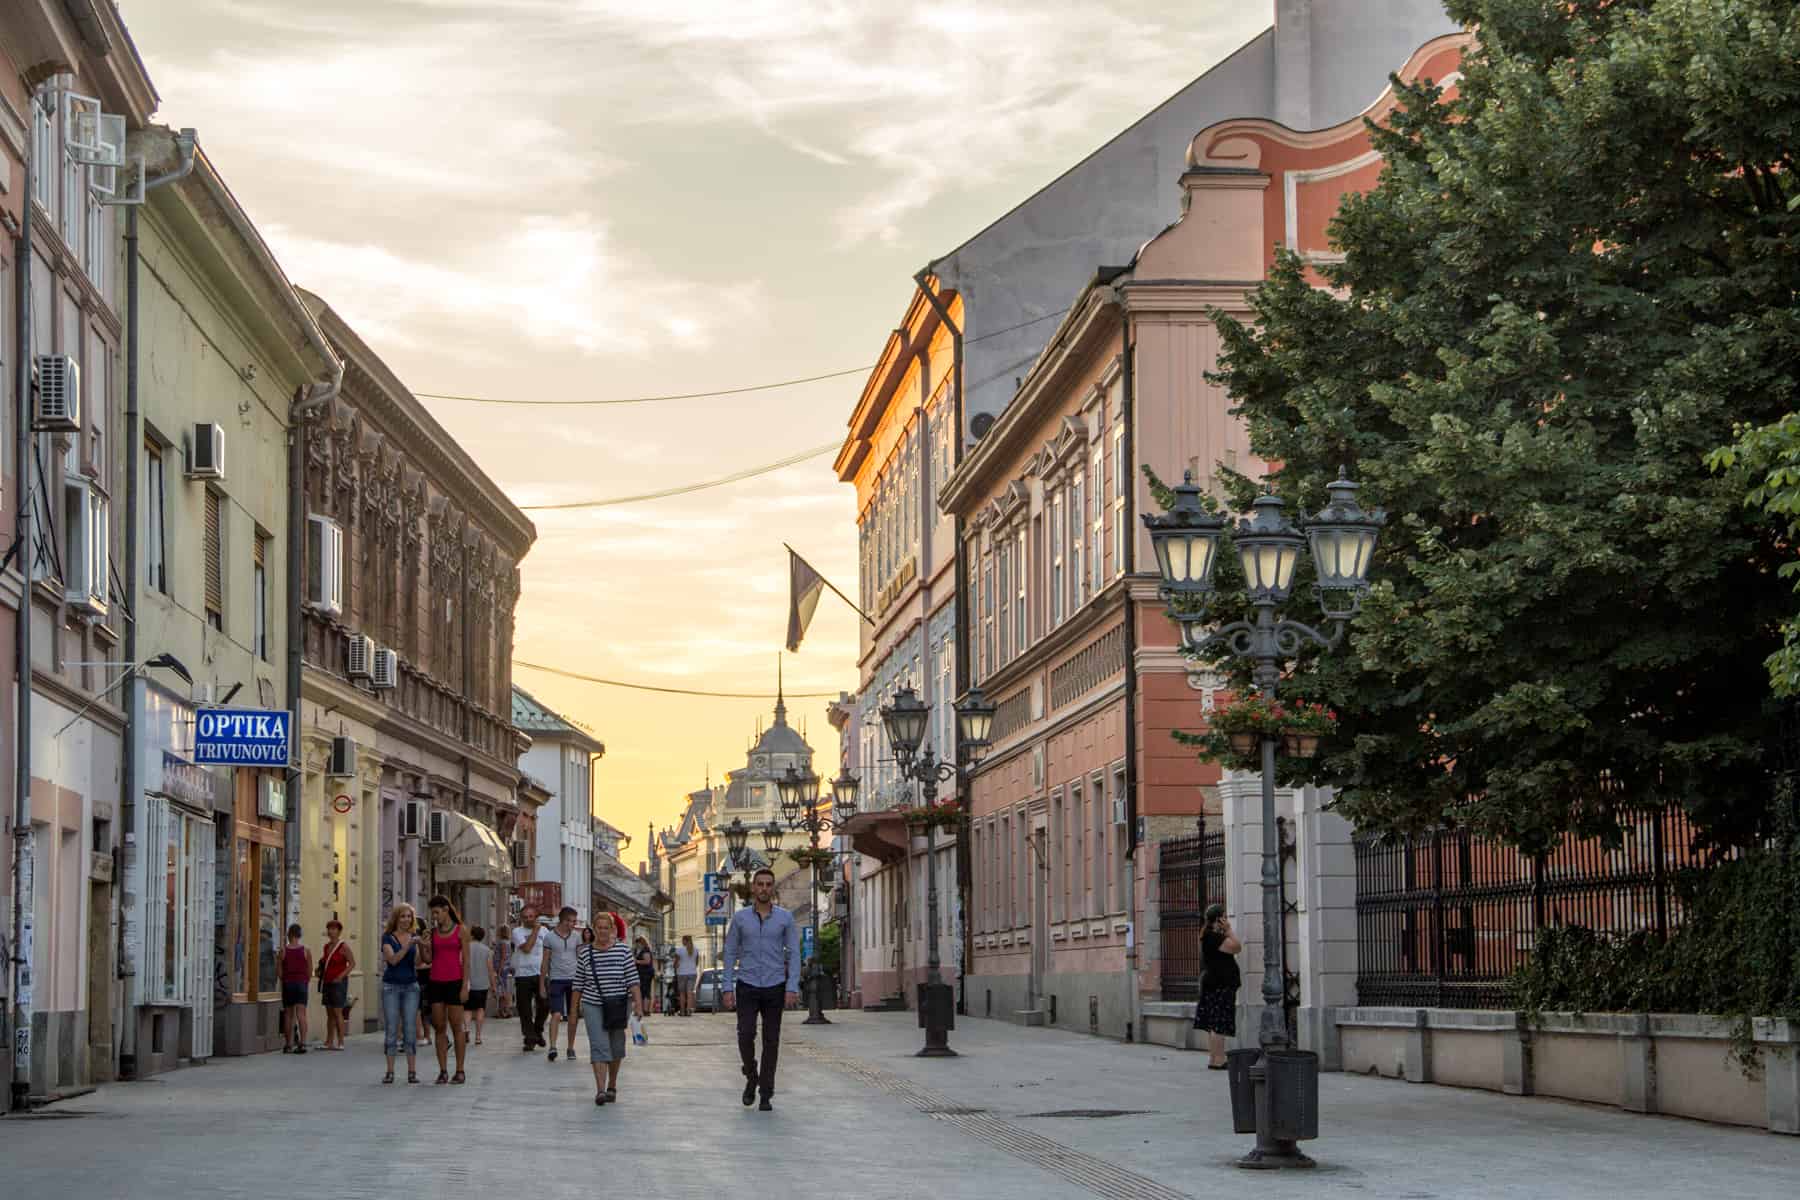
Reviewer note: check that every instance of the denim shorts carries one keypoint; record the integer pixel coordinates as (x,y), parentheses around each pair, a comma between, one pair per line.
(559,996)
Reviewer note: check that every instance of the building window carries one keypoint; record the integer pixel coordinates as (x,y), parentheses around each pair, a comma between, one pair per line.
(1079,903)
(1120,481)
(1020,575)
(1099,876)
(1059,858)
(260,595)
(1006,593)
(1077,509)
(1008,875)
(1056,560)
(214,565)
(155,534)
(1097,538)
(1121,846)
(987,615)
(43,152)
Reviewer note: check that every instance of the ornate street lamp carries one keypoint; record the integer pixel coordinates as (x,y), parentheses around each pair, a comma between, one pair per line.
(905,720)
(737,836)
(844,791)
(1342,537)
(974,720)
(772,833)
(800,806)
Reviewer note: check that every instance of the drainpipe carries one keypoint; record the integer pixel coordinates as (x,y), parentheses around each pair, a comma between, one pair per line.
(307,401)
(134,723)
(468,720)
(1128,393)
(25,555)
(961,678)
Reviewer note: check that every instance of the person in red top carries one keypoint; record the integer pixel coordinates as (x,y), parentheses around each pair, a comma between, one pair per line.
(447,985)
(296,973)
(336,961)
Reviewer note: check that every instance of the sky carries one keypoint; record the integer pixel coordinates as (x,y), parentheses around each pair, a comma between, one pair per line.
(603,199)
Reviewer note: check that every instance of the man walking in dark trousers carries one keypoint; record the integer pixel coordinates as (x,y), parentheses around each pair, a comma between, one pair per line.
(762,977)
(528,977)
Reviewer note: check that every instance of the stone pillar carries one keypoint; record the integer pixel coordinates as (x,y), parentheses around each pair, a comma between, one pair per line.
(1322,881)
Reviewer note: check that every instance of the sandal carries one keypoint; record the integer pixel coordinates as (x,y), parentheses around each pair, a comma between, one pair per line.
(612,1095)
(443,1078)
(458,1078)
(599,1099)
(388,1078)
(412,1077)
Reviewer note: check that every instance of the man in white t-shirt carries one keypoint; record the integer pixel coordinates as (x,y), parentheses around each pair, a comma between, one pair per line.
(562,946)
(528,982)
(687,969)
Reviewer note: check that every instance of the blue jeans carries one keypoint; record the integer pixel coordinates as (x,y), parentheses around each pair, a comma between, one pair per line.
(400,1018)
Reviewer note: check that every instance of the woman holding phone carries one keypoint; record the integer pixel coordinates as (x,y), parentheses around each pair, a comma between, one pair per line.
(1217,1011)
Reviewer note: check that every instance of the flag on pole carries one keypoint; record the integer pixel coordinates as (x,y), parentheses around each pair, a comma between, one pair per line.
(804,588)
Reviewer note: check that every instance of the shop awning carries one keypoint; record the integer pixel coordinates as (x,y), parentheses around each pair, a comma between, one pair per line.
(473,854)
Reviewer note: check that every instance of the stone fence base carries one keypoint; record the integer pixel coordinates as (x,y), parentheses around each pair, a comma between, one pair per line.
(1675,1064)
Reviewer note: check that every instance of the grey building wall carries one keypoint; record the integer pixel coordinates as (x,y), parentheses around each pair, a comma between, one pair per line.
(1322,62)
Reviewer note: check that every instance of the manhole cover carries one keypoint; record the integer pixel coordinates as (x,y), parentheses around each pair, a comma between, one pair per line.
(1091,1114)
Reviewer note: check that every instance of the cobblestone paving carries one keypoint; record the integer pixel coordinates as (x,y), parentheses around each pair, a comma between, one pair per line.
(1021,1115)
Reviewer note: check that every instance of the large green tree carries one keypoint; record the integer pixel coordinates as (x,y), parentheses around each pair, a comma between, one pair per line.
(1573,281)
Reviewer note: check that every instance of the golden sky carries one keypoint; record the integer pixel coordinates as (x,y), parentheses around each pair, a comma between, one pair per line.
(597,199)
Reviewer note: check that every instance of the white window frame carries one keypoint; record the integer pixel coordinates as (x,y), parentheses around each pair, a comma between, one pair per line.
(1120,482)
(1097,542)
(1003,552)
(1058,533)
(1077,507)
(1021,573)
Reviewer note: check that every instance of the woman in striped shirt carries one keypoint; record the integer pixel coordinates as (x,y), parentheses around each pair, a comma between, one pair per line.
(606,987)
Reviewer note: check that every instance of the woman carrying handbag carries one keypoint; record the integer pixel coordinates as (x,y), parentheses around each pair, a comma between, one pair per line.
(606,987)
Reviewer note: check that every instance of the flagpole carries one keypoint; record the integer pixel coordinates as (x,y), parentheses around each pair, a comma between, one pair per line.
(847,600)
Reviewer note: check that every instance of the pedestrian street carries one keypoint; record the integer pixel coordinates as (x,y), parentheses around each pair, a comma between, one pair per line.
(1021,1114)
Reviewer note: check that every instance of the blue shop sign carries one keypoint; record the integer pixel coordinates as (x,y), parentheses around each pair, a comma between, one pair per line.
(242,737)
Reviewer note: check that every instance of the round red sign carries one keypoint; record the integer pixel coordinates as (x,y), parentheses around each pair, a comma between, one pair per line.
(342,803)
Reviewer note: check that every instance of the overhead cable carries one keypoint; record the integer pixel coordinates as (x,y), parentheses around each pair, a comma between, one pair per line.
(736,391)
(670,691)
(684,489)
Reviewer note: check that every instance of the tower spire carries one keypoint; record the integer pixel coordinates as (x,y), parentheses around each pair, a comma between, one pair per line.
(780,693)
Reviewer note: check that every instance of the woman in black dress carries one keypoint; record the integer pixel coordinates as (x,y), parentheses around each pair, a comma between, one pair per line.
(1217,1011)
(646,965)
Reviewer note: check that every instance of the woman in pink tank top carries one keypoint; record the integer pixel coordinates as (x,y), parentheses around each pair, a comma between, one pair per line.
(447,985)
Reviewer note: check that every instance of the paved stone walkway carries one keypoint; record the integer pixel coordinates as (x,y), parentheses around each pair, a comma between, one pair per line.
(1017,1117)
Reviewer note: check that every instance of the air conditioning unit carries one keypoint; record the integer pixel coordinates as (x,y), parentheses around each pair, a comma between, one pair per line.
(412,818)
(324,565)
(86,522)
(386,670)
(362,656)
(343,759)
(56,403)
(437,827)
(206,453)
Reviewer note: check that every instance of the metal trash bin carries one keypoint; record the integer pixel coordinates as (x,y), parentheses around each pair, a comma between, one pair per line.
(1293,1083)
(1243,1088)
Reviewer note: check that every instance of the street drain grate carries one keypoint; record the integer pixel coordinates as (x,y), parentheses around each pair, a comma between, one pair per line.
(1097,1175)
(1092,1114)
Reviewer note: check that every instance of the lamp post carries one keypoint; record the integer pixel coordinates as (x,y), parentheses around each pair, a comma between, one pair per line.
(1186,539)
(905,720)
(800,808)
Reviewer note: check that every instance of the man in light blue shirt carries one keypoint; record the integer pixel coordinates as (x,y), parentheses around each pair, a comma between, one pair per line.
(762,977)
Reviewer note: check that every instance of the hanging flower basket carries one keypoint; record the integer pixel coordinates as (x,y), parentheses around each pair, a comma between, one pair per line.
(1305,727)
(1244,744)
(945,814)
(741,891)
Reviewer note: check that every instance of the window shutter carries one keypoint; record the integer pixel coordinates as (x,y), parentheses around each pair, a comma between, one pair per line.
(215,586)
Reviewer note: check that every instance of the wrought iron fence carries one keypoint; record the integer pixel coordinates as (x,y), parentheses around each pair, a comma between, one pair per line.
(1443,919)
(1190,876)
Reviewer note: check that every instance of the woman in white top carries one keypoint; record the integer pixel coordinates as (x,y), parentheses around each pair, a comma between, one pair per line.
(687,966)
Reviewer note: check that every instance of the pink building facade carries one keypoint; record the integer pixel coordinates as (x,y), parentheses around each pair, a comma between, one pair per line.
(1068,636)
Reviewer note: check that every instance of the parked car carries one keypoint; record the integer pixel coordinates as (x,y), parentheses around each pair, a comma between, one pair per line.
(706,991)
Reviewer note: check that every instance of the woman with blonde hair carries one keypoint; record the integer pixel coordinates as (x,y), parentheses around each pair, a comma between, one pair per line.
(400,990)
